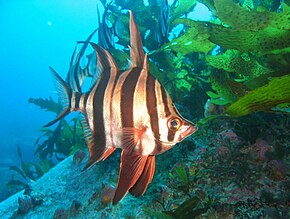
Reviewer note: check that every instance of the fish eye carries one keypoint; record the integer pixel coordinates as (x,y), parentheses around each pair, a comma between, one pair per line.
(174,124)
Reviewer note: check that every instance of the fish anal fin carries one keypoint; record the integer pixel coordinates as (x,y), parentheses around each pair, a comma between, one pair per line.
(98,152)
(131,168)
(108,152)
(87,131)
(136,49)
(146,177)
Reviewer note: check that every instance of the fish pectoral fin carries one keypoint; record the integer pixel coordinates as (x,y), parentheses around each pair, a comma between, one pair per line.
(130,137)
(146,177)
(131,168)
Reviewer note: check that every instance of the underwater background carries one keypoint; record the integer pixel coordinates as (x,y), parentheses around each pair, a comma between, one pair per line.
(34,35)
(226,65)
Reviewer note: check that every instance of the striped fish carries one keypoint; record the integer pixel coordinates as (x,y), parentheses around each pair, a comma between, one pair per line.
(130,110)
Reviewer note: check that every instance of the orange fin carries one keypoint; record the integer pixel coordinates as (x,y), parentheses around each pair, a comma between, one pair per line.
(130,137)
(108,152)
(131,168)
(136,47)
(97,153)
(146,177)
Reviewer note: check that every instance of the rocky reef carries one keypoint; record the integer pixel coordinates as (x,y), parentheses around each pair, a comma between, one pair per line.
(67,192)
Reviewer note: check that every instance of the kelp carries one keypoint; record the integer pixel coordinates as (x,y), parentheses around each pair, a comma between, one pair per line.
(244,65)
(251,30)
(263,98)
(62,141)
(244,30)
(48,104)
(227,89)
(265,41)
(26,171)
(195,39)
(240,18)
(182,7)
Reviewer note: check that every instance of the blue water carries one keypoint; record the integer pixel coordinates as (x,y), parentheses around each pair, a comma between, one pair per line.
(34,35)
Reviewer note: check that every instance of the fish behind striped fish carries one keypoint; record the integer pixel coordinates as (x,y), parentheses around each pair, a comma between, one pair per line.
(129,110)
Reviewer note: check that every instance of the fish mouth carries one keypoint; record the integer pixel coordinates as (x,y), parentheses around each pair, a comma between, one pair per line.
(167,142)
(189,131)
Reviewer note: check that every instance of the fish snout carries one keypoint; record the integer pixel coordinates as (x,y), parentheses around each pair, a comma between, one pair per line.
(189,129)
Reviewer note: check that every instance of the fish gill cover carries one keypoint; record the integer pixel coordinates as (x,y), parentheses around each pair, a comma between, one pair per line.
(231,74)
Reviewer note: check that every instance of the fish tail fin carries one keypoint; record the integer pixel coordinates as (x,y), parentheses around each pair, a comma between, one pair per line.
(65,93)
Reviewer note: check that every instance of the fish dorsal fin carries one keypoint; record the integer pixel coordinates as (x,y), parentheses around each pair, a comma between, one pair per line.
(105,62)
(136,47)
(145,63)
(75,76)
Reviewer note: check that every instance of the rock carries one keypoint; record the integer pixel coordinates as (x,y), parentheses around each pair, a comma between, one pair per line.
(60,213)
(57,190)
(25,204)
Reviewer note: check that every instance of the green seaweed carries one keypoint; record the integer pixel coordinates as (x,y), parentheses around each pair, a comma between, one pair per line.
(26,171)
(227,89)
(64,140)
(183,176)
(195,39)
(188,209)
(265,32)
(263,98)
(265,41)
(243,65)
(47,104)
(183,6)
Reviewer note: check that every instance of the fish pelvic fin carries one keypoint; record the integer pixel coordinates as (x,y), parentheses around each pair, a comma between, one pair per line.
(67,96)
(136,47)
(146,177)
(131,168)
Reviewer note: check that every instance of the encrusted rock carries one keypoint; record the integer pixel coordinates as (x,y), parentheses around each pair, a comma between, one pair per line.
(75,207)
(25,204)
(78,157)
(60,213)
(107,195)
